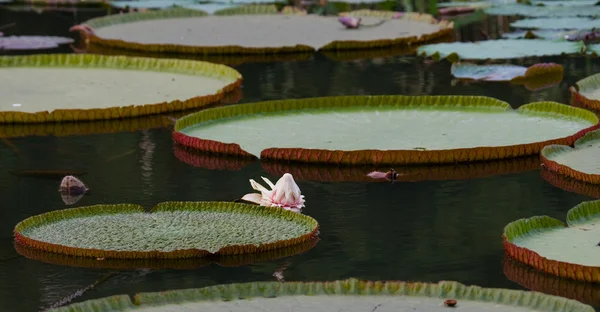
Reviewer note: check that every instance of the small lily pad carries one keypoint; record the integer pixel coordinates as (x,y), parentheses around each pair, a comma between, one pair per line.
(32,42)
(581,163)
(566,250)
(547,34)
(587,92)
(172,230)
(499,49)
(569,3)
(344,295)
(503,72)
(468,4)
(557,23)
(544,11)
(148,4)
(335,136)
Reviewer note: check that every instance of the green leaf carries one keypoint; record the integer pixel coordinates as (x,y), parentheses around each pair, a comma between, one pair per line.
(557,23)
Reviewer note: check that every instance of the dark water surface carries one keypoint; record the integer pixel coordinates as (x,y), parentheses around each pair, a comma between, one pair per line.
(427,230)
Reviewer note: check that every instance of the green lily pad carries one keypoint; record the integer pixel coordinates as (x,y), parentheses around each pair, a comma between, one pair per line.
(547,34)
(468,128)
(209,8)
(570,3)
(256,29)
(345,295)
(502,72)
(547,244)
(171,230)
(587,92)
(148,4)
(108,86)
(498,49)
(467,4)
(544,11)
(580,163)
(557,23)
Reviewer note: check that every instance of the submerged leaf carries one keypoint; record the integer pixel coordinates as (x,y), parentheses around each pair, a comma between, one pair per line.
(32,42)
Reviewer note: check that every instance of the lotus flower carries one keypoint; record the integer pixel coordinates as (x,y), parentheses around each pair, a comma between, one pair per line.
(285,194)
(350,21)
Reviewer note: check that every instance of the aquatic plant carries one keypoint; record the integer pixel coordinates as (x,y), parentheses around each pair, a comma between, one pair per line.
(548,245)
(274,32)
(506,72)
(335,135)
(570,185)
(336,295)
(567,9)
(111,87)
(587,92)
(32,42)
(579,23)
(581,162)
(171,230)
(285,194)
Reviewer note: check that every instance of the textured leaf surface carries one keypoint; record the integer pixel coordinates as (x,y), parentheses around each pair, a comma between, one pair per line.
(108,86)
(581,162)
(544,11)
(548,245)
(336,123)
(499,49)
(345,295)
(557,23)
(256,29)
(172,230)
(32,42)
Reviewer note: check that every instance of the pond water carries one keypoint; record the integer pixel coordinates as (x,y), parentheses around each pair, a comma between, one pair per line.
(426,230)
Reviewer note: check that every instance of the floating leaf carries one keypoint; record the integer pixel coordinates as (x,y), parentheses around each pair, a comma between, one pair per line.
(547,244)
(587,92)
(148,4)
(581,163)
(209,8)
(557,23)
(343,295)
(548,34)
(570,185)
(467,128)
(32,42)
(256,29)
(498,49)
(172,230)
(544,11)
(569,3)
(470,4)
(109,86)
(503,72)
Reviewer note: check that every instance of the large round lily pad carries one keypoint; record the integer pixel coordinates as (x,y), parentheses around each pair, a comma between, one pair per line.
(587,92)
(399,129)
(499,49)
(544,11)
(350,295)
(547,244)
(170,230)
(94,87)
(256,30)
(581,162)
(557,23)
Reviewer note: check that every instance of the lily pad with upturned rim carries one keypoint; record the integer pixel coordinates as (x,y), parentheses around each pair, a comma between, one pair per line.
(587,92)
(171,230)
(343,295)
(570,185)
(504,72)
(97,87)
(544,11)
(399,129)
(581,162)
(565,250)
(254,30)
(499,49)
(578,23)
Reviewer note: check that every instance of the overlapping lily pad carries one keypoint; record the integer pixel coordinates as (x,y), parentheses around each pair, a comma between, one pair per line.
(588,293)
(171,230)
(547,244)
(554,11)
(557,23)
(95,87)
(581,162)
(330,130)
(587,92)
(180,264)
(344,295)
(499,49)
(32,42)
(256,29)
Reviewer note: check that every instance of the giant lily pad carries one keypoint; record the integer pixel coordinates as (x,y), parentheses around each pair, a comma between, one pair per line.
(344,295)
(256,29)
(333,129)
(181,264)
(95,87)
(547,244)
(588,293)
(557,23)
(544,11)
(570,185)
(504,72)
(580,163)
(499,49)
(32,42)
(587,92)
(170,230)
(548,34)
